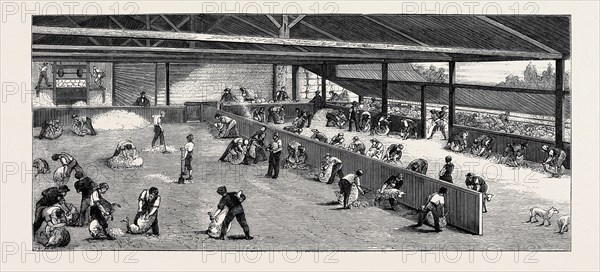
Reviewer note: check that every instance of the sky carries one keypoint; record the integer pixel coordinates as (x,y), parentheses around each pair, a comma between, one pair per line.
(492,72)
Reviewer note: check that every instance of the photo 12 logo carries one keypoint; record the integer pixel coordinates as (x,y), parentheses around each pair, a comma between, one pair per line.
(22,11)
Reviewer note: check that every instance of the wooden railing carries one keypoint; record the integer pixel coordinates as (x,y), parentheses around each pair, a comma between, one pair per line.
(289,107)
(464,205)
(533,152)
(394,119)
(40,115)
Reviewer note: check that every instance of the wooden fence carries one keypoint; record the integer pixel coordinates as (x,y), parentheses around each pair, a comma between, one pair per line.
(394,119)
(534,151)
(464,205)
(289,108)
(40,115)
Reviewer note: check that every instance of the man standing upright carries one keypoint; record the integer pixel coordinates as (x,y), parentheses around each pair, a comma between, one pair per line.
(445,173)
(275,154)
(43,76)
(318,101)
(158,128)
(142,101)
(438,121)
(353,116)
(85,186)
(435,205)
(188,149)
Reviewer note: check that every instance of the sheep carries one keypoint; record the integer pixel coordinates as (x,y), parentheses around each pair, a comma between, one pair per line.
(545,215)
(563,223)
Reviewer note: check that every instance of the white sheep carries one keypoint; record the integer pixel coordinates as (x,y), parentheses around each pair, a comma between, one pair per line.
(544,214)
(563,223)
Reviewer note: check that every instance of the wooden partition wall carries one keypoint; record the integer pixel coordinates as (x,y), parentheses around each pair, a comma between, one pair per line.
(464,205)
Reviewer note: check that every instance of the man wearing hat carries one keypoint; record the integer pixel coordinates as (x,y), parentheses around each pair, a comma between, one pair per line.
(97,211)
(227,96)
(357,146)
(353,116)
(318,101)
(282,95)
(477,183)
(235,210)
(188,151)
(446,171)
(337,140)
(274,156)
(142,101)
(336,167)
(85,186)
(555,158)
(50,197)
(438,122)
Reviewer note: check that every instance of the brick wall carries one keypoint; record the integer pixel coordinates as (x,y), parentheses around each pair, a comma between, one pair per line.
(205,82)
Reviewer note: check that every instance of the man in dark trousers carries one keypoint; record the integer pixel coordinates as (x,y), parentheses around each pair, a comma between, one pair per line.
(85,186)
(353,116)
(258,141)
(159,132)
(318,101)
(84,122)
(446,171)
(98,211)
(236,210)
(305,115)
(435,205)
(69,161)
(50,197)
(275,154)
(148,204)
(142,101)
(555,158)
(337,166)
(477,183)
(393,182)
(43,76)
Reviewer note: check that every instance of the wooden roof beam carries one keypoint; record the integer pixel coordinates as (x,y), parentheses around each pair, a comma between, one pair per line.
(518,34)
(66,31)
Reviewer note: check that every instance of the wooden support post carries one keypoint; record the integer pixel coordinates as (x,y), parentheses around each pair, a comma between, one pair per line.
(274,92)
(295,82)
(360,98)
(423,113)
(155,84)
(558,113)
(192,28)
(167,87)
(54,76)
(88,80)
(384,88)
(324,81)
(113,96)
(148,28)
(451,104)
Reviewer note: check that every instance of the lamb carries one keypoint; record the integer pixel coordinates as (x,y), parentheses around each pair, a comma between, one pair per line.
(545,215)
(563,223)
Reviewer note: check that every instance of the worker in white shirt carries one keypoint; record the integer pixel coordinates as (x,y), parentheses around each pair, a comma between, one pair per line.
(435,205)
(188,149)
(275,154)
(336,168)
(350,187)
(43,75)
(98,211)
(158,128)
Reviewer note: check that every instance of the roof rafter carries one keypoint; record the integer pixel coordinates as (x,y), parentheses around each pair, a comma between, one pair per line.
(517,33)
(67,31)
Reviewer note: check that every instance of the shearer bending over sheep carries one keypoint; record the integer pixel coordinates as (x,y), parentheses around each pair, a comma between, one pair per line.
(554,162)
(227,126)
(82,125)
